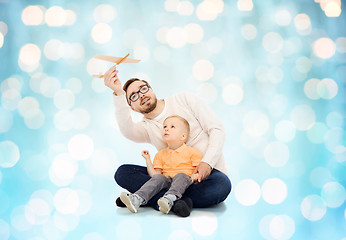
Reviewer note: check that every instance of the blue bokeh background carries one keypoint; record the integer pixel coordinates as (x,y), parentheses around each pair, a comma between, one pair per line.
(273,71)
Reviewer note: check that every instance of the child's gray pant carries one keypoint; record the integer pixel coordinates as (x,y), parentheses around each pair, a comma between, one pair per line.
(176,186)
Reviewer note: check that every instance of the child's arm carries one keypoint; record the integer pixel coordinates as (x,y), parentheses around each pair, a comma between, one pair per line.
(150,168)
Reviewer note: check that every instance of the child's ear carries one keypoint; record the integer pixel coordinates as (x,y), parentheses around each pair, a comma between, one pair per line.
(184,136)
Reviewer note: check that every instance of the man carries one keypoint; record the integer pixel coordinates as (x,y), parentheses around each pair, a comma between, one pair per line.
(206,134)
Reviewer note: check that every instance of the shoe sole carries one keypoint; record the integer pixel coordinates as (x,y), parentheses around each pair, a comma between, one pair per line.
(126,200)
(163,206)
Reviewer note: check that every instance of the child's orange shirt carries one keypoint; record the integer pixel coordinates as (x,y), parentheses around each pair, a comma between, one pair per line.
(181,160)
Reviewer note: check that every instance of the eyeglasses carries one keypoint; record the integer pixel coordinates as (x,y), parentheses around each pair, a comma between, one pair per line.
(134,96)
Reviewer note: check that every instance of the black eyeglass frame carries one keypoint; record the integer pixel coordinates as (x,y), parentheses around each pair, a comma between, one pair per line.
(140,90)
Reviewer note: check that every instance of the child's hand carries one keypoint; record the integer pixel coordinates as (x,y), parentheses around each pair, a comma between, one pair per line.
(194,177)
(146,154)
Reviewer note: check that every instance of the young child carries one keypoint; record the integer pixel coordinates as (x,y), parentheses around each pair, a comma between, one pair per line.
(172,168)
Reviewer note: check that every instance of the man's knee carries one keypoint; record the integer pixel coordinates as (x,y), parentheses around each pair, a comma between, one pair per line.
(226,182)
(222,185)
(121,174)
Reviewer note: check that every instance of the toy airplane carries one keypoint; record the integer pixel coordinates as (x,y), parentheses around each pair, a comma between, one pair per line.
(116,60)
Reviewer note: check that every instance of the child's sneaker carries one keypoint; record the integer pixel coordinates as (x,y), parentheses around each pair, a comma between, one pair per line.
(165,204)
(131,201)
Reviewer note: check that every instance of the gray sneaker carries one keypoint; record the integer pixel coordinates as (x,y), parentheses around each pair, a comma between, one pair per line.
(131,201)
(165,204)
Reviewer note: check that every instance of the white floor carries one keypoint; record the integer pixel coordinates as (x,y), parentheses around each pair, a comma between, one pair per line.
(147,223)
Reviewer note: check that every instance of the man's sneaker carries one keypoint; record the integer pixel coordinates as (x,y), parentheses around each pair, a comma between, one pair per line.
(183,207)
(119,203)
(131,201)
(165,204)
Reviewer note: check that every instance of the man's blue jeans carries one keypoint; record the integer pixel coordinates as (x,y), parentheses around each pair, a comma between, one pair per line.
(213,190)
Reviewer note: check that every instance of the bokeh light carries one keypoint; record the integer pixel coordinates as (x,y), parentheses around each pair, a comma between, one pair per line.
(1,40)
(208,10)
(256,123)
(249,31)
(245,5)
(204,224)
(104,13)
(81,146)
(64,99)
(29,57)
(283,17)
(203,70)
(66,201)
(333,194)
(6,120)
(324,48)
(313,208)
(185,8)
(9,154)
(247,192)
(285,131)
(55,16)
(33,15)
(5,230)
(273,72)
(276,154)
(101,33)
(63,170)
(37,211)
(303,117)
(277,227)
(317,132)
(274,191)
(272,42)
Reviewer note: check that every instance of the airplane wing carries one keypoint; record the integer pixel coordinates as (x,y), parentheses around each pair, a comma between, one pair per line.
(98,75)
(116,59)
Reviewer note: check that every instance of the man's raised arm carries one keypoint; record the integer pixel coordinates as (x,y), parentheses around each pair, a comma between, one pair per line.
(131,130)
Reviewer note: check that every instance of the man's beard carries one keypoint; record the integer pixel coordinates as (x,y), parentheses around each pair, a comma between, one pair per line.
(150,108)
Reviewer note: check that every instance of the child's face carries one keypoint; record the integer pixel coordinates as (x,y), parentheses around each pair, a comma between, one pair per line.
(173,130)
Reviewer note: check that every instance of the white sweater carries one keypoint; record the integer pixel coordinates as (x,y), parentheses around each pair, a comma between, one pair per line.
(206,131)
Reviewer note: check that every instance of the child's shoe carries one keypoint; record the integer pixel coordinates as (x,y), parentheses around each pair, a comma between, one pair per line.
(132,201)
(165,204)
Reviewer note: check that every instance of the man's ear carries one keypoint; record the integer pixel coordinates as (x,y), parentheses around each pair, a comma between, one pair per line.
(132,108)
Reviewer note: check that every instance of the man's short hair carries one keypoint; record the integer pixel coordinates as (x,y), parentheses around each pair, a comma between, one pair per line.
(186,123)
(131,80)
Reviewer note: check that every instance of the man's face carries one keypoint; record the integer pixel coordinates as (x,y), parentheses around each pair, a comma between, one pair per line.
(146,102)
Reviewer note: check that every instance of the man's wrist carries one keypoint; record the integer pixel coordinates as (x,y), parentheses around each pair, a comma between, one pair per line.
(211,168)
(117,93)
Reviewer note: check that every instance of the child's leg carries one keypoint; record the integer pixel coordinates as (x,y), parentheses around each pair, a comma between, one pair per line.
(180,183)
(152,187)
(132,177)
(145,193)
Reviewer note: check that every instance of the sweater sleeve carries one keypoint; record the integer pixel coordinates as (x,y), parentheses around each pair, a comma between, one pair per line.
(135,131)
(210,124)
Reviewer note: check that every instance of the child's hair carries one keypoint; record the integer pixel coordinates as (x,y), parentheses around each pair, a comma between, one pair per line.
(186,124)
